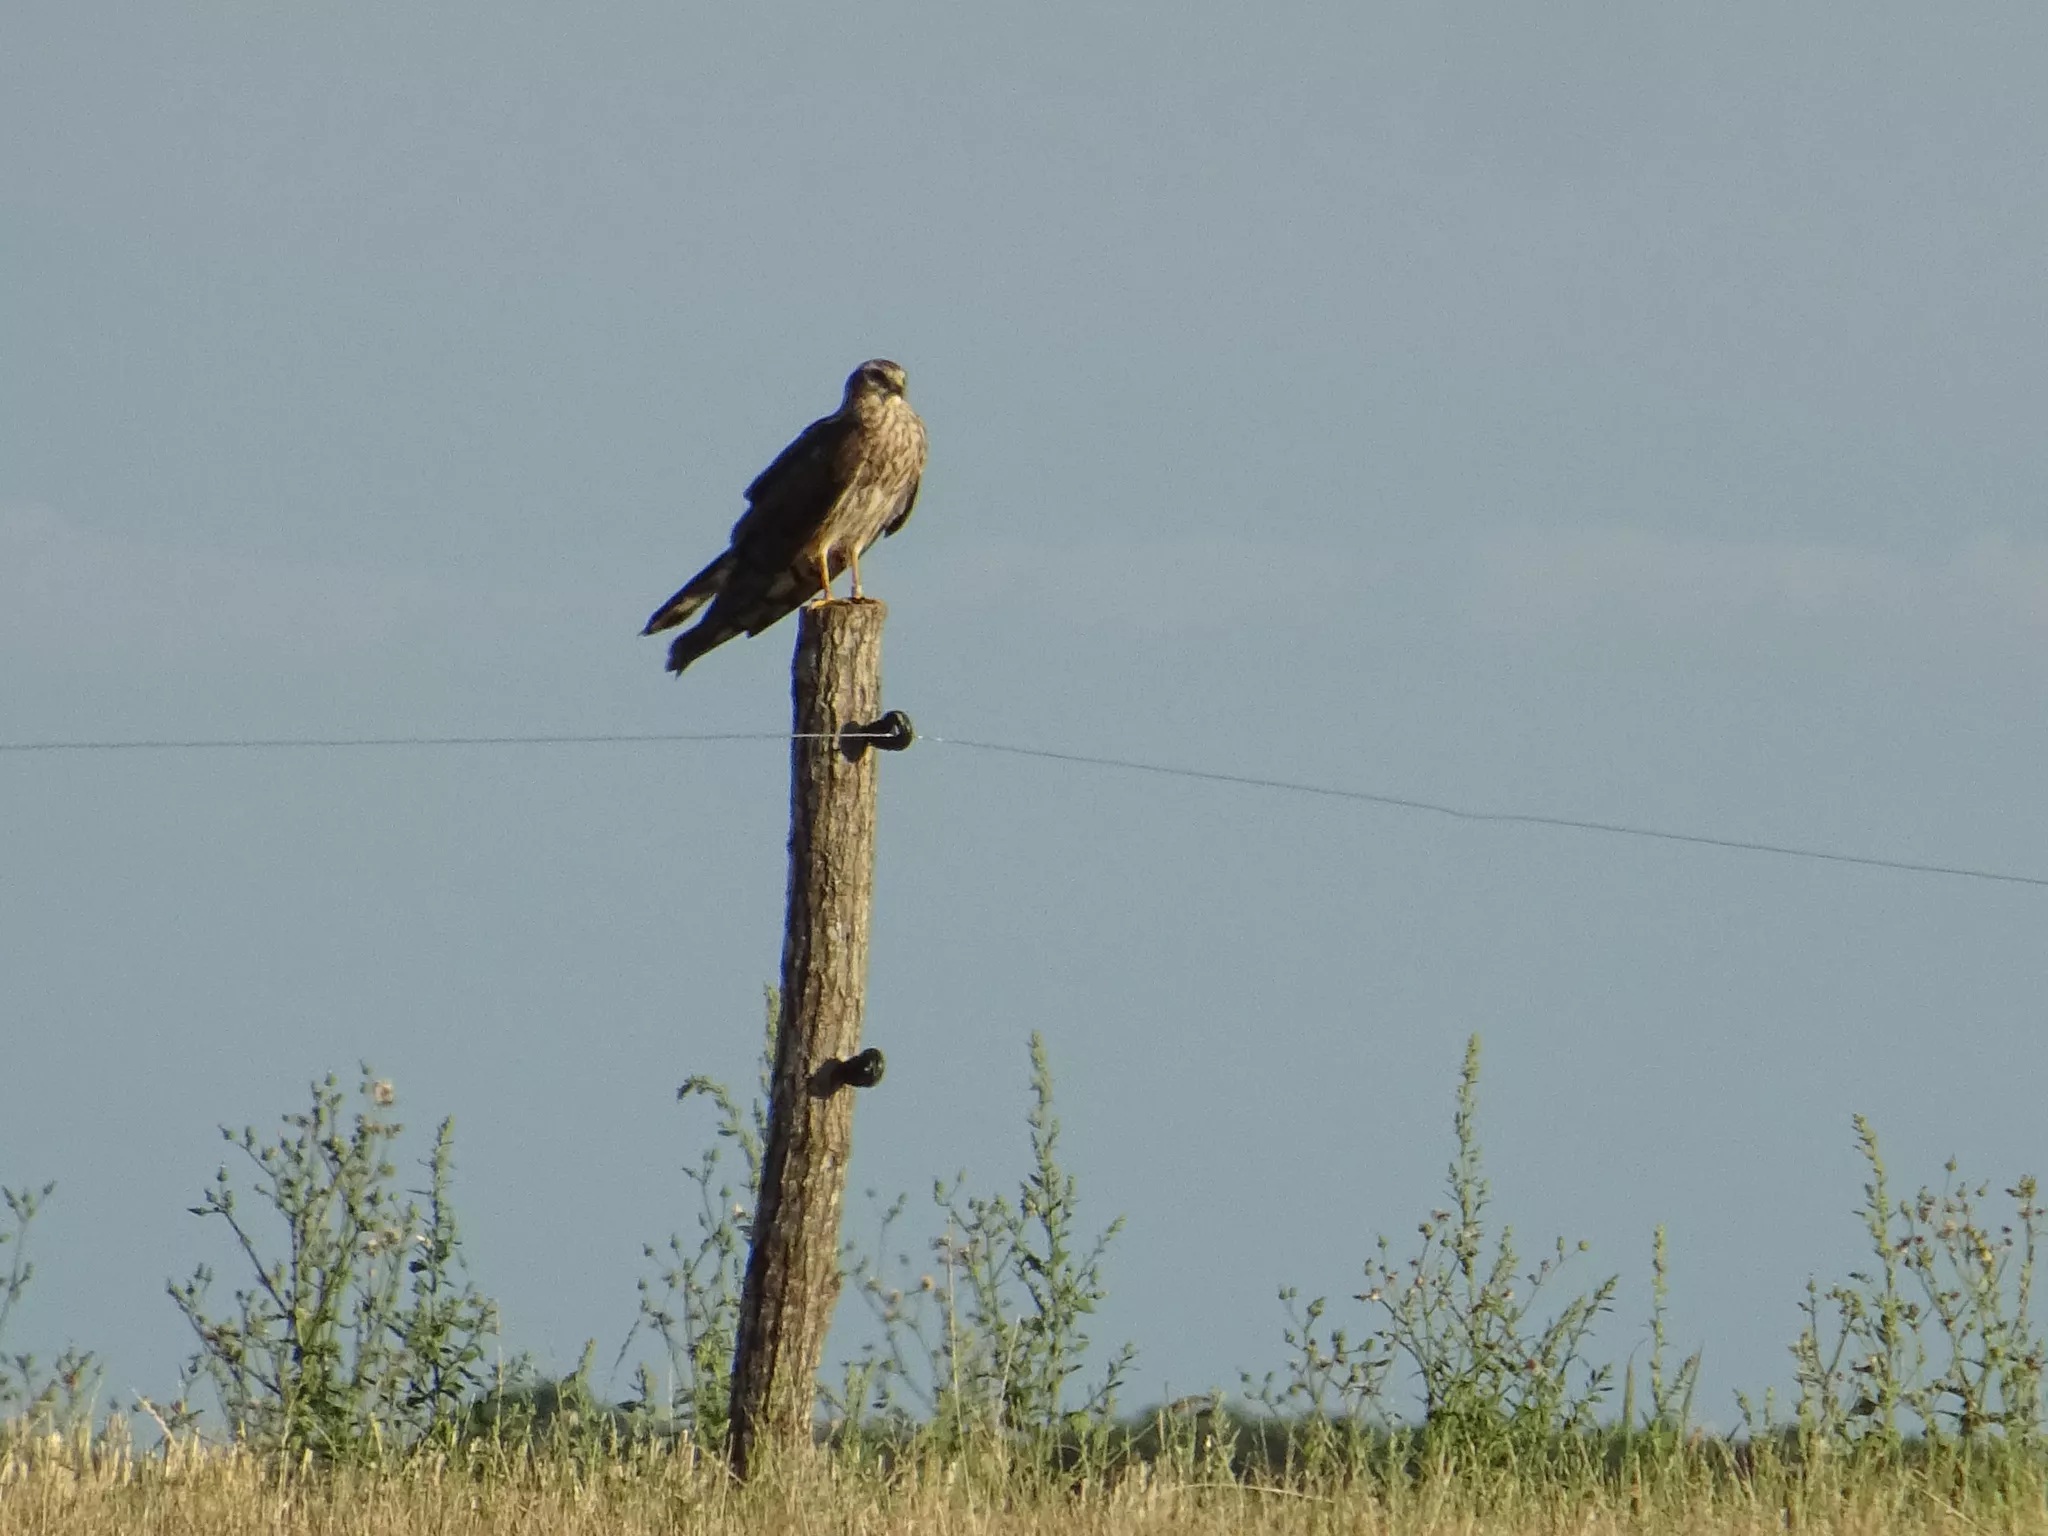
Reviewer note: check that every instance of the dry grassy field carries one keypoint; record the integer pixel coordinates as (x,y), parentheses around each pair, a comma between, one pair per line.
(56,1487)
(349,1383)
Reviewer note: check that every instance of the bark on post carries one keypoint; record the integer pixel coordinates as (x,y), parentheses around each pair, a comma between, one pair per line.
(792,1280)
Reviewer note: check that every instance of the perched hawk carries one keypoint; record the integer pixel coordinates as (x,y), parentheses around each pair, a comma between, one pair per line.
(846,481)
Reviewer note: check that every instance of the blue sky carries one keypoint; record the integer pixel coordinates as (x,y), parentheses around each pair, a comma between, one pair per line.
(1630,415)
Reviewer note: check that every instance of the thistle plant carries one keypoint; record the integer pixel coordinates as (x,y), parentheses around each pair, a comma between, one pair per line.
(33,1398)
(1670,1410)
(988,1341)
(364,1334)
(692,1302)
(1496,1374)
(1935,1339)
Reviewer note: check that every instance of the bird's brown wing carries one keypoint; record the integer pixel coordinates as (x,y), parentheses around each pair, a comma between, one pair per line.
(788,503)
(909,501)
(807,472)
(811,471)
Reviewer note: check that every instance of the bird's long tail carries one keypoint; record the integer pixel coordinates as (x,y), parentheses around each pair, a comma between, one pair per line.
(698,591)
(692,643)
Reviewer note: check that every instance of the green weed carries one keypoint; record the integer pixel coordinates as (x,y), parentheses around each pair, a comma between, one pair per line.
(1465,1384)
(363,1336)
(984,1346)
(33,1398)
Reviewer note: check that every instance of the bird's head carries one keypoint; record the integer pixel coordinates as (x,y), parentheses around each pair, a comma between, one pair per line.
(876,376)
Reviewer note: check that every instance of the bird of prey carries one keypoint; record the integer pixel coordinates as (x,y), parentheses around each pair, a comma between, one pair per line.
(848,479)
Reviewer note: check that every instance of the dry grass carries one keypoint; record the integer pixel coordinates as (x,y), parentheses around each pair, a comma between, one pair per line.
(1918,1405)
(98,1490)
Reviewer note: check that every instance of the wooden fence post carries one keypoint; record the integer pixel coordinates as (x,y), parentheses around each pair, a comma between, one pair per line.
(792,1279)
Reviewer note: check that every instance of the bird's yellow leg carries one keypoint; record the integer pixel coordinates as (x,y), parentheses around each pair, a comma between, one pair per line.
(853,563)
(824,559)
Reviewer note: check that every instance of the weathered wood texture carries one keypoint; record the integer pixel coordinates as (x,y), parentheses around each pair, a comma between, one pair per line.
(793,1265)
